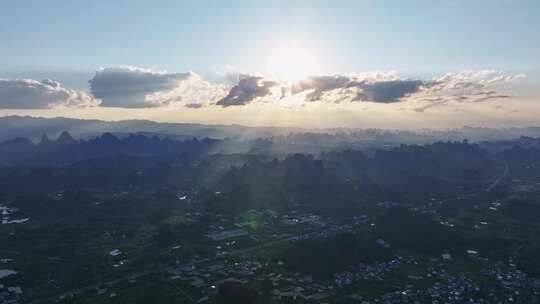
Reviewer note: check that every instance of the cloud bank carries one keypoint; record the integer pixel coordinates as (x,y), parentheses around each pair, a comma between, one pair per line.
(378,87)
(131,87)
(135,87)
(33,94)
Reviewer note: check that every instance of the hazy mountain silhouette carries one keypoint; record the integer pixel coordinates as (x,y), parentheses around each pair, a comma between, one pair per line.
(66,148)
(34,127)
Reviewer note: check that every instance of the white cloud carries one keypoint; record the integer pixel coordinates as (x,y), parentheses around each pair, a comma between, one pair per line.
(33,94)
(465,87)
(134,87)
(193,92)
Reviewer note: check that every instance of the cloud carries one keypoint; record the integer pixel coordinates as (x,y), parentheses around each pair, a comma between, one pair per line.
(372,87)
(464,87)
(376,87)
(194,105)
(322,83)
(319,85)
(388,87)
(473,80)
(247,90)
(135,87)
(388,91)
(33,94)
(431,102)
(193,92)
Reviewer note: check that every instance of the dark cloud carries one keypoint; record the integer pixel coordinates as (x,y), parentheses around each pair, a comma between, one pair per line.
(132,87)
(33,94)
(369,89)
(380,87)
(247,90)
(388,91)
(431,104)
(476,97)
(485,96)
(320,85)
(194,105)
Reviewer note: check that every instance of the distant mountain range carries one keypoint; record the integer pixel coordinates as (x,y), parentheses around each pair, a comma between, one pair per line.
(34,128)
(66,149)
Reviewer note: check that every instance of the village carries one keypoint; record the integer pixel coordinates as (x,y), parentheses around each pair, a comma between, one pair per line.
(248,249)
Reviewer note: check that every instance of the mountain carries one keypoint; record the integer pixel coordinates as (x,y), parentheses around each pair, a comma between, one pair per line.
(34,128)
(66,149)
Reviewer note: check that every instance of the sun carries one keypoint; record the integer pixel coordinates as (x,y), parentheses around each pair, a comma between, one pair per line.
(292,64)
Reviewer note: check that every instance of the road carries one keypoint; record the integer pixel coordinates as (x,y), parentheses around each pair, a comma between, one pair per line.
(500,179)
(491,186)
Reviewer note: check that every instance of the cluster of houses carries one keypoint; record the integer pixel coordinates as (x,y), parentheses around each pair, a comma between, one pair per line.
(284,286)
(370,272)
(446,288)
(6,216)
(504,284)
(207,274)
(10,294)
(512,284)
(293,226)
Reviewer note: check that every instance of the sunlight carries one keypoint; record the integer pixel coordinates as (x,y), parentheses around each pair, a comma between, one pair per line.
(292,64)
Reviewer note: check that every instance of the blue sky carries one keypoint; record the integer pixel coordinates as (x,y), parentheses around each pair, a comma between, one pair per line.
(69,40)
(207,35)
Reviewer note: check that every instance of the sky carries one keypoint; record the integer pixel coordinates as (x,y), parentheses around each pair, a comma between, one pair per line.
(389,64)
